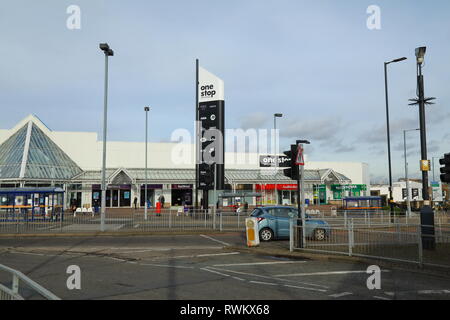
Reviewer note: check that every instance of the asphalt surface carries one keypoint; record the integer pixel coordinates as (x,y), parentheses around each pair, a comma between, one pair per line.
(199,267)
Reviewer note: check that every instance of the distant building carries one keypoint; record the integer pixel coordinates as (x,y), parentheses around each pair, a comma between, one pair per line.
(438,195)
(31,154)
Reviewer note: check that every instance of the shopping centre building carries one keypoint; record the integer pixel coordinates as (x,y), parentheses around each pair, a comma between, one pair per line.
(32,155)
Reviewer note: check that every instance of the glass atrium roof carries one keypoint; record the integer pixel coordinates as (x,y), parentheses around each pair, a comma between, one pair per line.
(31,154)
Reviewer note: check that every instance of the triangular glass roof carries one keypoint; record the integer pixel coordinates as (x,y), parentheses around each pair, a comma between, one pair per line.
(31,154)
(11,154)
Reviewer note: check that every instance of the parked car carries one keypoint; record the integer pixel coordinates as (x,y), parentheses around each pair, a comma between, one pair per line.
(273,223)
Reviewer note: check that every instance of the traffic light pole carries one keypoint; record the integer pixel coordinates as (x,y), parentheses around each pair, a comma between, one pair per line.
(302,201)
(299,207)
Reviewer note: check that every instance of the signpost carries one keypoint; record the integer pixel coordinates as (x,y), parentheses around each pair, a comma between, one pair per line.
(210,133)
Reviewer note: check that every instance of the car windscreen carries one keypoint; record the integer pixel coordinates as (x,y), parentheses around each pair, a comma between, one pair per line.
(256,213)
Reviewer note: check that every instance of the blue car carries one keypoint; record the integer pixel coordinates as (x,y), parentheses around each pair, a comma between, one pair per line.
(273,223)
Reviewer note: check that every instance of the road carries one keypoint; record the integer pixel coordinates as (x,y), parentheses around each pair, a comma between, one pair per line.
(199,267)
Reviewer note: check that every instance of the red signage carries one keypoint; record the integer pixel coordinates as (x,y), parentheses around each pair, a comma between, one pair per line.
(261,187)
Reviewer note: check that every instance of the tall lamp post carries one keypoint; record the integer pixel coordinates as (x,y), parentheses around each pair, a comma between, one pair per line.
(426,212)
(391,201)
(408,202)
(146,109)
(275,116)
(108,53)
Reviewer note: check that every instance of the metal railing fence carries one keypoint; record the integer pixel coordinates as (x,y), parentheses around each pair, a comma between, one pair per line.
(393,241)
(18,278)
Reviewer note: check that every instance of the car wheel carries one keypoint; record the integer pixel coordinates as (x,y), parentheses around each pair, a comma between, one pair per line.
(266,234)
(319,234)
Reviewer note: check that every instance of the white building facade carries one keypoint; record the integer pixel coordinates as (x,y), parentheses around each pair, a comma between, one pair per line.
(73,160)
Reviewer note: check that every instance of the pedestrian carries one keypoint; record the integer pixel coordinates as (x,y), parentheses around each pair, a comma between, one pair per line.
(162,200)
(245,206)
(135,203)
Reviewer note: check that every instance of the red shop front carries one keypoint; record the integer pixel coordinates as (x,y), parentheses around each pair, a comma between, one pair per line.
(286,192)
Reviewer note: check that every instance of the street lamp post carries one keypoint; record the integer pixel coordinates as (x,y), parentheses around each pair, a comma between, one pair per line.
(391,201)
(275,116)
(426,212)
(408,202)
(146,109)
(108,53)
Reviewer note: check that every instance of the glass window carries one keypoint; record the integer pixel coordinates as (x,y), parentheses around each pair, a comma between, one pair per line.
(256,213)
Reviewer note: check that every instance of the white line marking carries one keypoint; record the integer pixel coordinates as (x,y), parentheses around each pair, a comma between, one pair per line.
(164,265)
(304,288)
(256,263)
(322,273)
(266,283)
(217,254)
(216,272)
(338,295)
(267,277)
(169,249)
(433,291)
(33,254)
(221,242)
(237,278)
(381,298)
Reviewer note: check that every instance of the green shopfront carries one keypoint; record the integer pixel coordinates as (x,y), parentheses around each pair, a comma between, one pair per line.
(349,190)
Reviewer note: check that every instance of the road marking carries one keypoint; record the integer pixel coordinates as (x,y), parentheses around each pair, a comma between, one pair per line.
(267,277)
(322,273)
(207,237)
(137,225)
(265,283)
(216,254)
(216,272)
(164,265)
(168,249)
(33,254)
(237,278)
(256,263)
(305,288)
(381,298)
(338,295)
(433,291)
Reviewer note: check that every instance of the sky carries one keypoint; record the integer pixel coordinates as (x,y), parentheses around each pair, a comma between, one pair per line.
(316,62)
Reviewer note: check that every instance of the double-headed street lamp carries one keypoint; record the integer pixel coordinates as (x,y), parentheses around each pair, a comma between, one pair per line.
(391,200)
(408,202)
(146,109)
(275,116)
(108,53)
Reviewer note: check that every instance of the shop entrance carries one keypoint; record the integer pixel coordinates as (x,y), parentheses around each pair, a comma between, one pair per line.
(182,194)
(116,196)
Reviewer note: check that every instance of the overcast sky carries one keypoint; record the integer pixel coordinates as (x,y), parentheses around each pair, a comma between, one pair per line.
(314,61)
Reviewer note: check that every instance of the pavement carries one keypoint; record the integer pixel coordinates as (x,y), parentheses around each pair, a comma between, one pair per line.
(203,267)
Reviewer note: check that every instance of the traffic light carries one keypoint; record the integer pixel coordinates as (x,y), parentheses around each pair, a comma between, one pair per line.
(292,172)
(445,176)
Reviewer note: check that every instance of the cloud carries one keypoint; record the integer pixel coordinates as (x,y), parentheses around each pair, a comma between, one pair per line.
(255,120)
(341,148)
(322,129)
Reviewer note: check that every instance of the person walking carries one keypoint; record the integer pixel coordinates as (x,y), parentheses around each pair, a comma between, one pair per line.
(162,200)
(135,203)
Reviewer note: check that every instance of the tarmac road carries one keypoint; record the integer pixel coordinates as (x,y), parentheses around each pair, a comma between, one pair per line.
(199,267)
